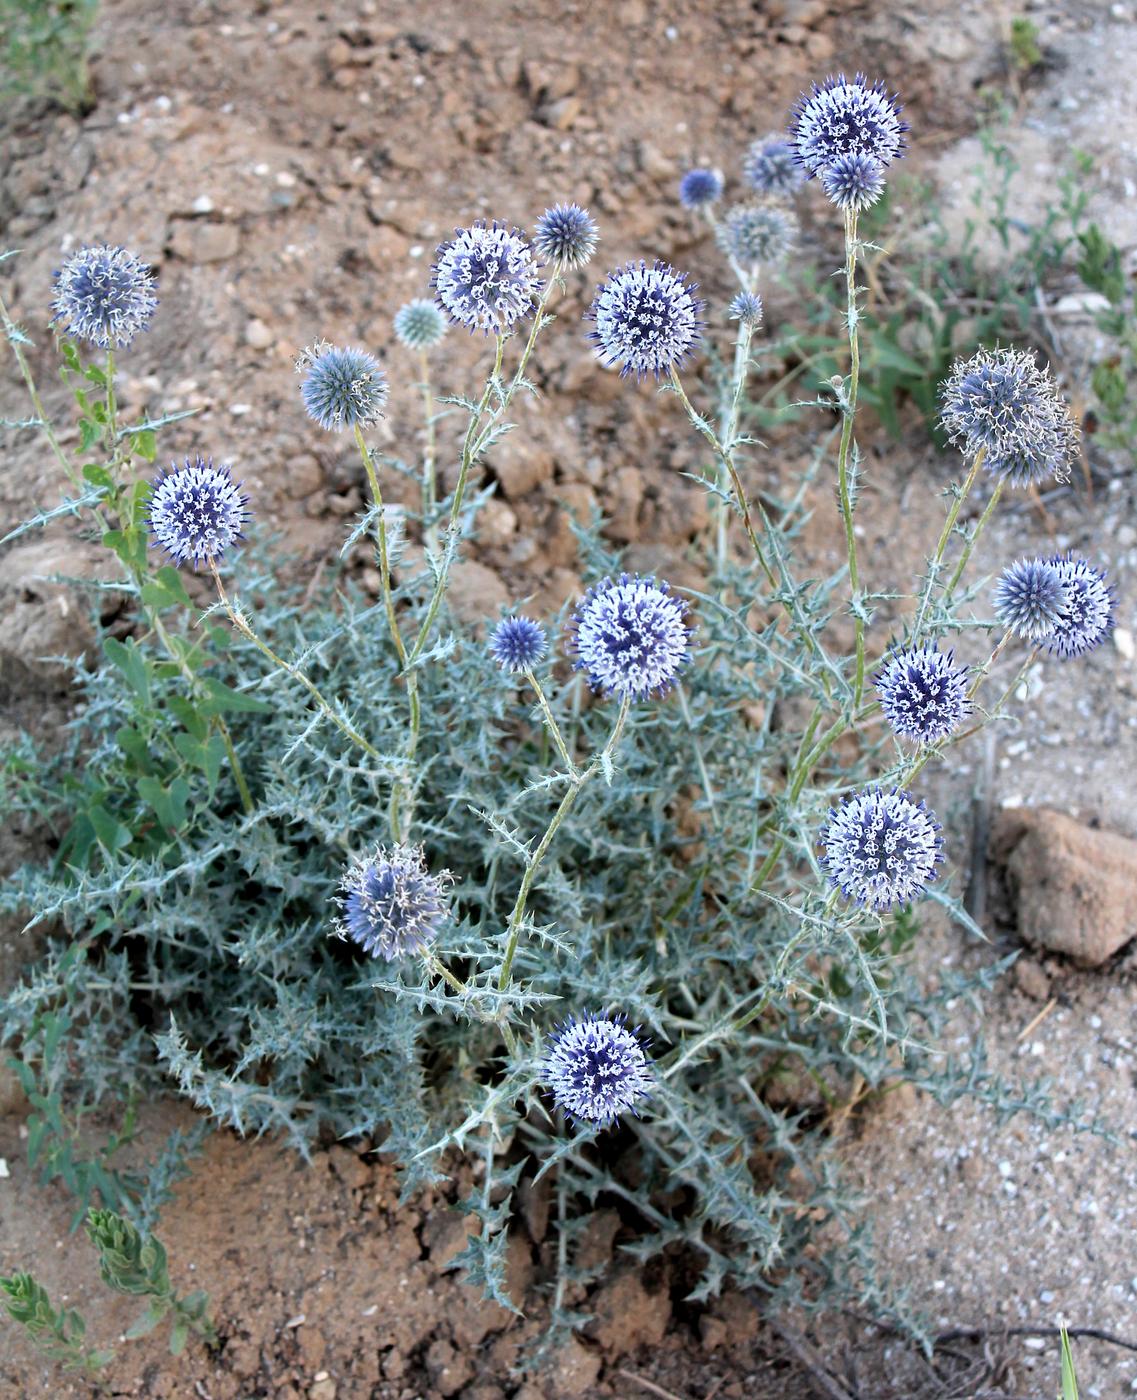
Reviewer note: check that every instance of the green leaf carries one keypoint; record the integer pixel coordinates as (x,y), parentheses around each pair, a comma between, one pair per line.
(178,1334)
(109,832)
(167,803)
(144,1325)
(220,697)
(133,743)
(130,661)
(89,434)
(95,375)
(96,475)
(1069,1379)
(145,444)
(129,545)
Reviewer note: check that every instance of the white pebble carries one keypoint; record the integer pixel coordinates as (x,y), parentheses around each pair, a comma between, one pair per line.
(1123,641)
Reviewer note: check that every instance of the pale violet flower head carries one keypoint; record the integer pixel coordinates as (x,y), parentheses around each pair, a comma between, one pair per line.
(196,511)
(699,188)
(104,295)
(840,118)
(761,232)
(341,388)
(853,182)
(565,236)
(390,903)
(646,318)
(1028,598)
(1085,615)
(923,693)
(518,643)
(630,637)
(747,308)
(486,278)
(771,167)
(419,325)
(881,848)
(597,1069)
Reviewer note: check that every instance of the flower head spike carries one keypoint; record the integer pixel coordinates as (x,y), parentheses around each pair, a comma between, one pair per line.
(518,644)
(419,325)
(630,636)
(390,903)
(342,388)
(104,295)
(196,511)
(747,308)
(1028,598)
(854,181)
(1002,402)
(647,319)
(923,693)
(597,1069)
(486,278)
(566,236)
(762,232)
(770,166)
(881,848)
(1085,616)
(699,188)
(841,118)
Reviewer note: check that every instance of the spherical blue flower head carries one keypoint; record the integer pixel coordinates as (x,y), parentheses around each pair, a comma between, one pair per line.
(486,278)
(566,236)
(1001,401)
(854,181)
(390,903)
(196,511)
(597,1069)
(419,325)
(1085,617)
(1028,598)
(771,168)
(881,848)
(104,295)
(840,118)
(341,388)
(699,187)
(923,693)
(518,644)
(757,233)
(747,308)
(647,320)
(630,637)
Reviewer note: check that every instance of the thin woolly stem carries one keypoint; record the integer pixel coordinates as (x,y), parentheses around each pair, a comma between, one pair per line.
(849,409)
(429,456)
(727,429)
(937,558)
(970,546)
(550,722)
(37,403)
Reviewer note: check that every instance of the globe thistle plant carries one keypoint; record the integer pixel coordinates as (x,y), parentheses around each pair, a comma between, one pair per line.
(839,118)
(486,278)
(1085,615)
(104,295)
(923,694)
(565,236)
(647,319)
(747,308)
(771,167)
(518,644)
(342,388)
(196,511)
(881,848)
(853,182)
(390,903)
(597,1069)
(419,325)
(630,637)
(757,233)
(1001,401)
(699,188)
(1028,598)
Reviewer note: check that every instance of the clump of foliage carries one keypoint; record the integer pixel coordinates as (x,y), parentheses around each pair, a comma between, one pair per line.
(327,865)
(43,50)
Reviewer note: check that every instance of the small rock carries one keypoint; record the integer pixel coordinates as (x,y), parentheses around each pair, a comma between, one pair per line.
(303,475)
(1073,886)
(1123,641)
(323,1390)
(1031,979)
(576,1369)
(627,1315)
(198,242)
(448,1369)
(476,594)
(520,466)
(258,335)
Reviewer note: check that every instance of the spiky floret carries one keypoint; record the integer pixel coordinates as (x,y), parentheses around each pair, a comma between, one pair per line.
(923,693)
(196,511)
(770,166)
(518,643)
(647,319)
(761,232)
(853,181)
(596,1069)
(419,325)
(342,388)
(1085,615)
(881,848)
(841,118)
(566,236)
(630,637)
(1028,598)
(104,295)
(486,278)
(699,187)
(1003,402)
(747,308)
(390,903)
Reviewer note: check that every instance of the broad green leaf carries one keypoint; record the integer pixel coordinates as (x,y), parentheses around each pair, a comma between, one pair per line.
(132,664)
(219,698)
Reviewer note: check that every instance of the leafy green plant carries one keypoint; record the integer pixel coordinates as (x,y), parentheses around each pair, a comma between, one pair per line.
(1069,1379)
(43,50)
(59,1333)
(1024,49)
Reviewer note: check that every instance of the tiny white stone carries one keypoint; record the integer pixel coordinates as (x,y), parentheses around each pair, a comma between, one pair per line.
(1123,641)
(202,204)
(238,410)
(4,1173)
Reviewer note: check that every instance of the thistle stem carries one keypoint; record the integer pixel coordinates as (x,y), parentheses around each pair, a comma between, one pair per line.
(937,558)
(849,409)
(37,403)
(551,723)
(970,545)
(429,463)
